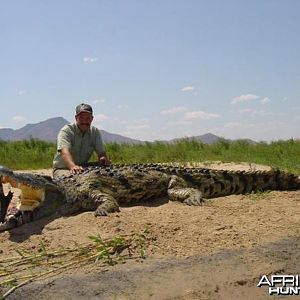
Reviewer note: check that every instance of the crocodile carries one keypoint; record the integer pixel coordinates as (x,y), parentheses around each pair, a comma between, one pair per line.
(103,189)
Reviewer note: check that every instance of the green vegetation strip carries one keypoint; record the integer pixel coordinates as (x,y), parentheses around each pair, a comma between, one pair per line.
(20,270)
(284,155)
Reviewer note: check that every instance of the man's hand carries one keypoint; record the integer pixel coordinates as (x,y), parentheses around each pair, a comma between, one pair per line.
(76,169)
(68,159)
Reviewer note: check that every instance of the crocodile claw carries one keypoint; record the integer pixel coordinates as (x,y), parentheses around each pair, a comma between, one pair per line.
(10,223)
(100,212)
(194,201)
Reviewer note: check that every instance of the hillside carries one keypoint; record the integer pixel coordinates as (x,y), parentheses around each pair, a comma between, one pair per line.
(47,131)
(207,138)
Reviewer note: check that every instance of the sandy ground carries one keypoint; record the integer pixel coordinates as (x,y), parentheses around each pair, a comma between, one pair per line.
(217,251)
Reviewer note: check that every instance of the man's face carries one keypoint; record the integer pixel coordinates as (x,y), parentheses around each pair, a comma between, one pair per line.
(83,121)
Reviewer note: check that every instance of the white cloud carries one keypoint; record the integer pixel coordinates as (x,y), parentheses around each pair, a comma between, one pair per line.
(262,113)
(90,59)
(181,122)
(237,125)
(244,98)
(100,117)
(138,129)
(140,121)
(96,101)
(136,124)
(244,111)
(259,131)
(188,88)
(254,112)
(22,92)
(265,100)
(173,110)
(200,115)
(19,119)
(122,106)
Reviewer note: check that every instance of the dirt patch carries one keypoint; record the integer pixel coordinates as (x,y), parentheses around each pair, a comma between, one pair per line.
(217,251)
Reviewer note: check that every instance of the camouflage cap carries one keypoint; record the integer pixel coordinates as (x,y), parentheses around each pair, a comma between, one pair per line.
(83,108)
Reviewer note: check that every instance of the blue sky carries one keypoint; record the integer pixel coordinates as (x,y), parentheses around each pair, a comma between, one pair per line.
(154,69)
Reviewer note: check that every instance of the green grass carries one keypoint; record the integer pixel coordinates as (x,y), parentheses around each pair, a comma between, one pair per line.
(27,267)
(285,155)
(28,154)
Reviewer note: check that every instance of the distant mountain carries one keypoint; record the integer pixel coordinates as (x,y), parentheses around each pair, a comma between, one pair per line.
(45,130)
(6,133)
(207,138)
(117,138)
(48,130)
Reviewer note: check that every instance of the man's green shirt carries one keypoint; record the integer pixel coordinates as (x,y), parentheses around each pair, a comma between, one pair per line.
(80,145)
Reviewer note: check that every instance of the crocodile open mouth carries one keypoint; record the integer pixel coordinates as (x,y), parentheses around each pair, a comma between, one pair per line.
(4,202)
(30,197)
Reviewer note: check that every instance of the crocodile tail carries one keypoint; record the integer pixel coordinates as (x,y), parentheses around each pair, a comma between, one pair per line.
(287,181)
(216,183)
(268,180)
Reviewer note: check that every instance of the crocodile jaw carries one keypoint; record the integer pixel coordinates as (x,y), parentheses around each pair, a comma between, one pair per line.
(30,198)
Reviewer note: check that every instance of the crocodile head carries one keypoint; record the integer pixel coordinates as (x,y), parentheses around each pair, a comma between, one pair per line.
(34,189)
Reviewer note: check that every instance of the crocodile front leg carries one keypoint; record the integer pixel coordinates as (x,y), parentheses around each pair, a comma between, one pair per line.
(105,203)
(16,220)
(178,190)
